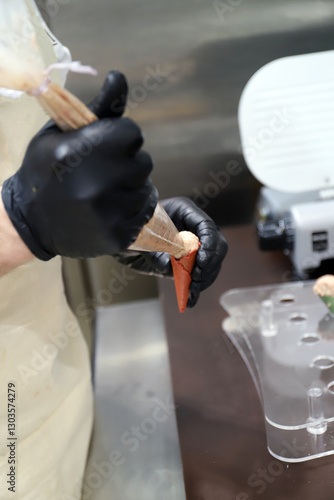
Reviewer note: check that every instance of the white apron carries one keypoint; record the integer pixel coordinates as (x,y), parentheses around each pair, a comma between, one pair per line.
(42,352)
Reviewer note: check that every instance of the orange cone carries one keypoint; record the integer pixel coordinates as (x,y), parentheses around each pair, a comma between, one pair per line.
(182,269)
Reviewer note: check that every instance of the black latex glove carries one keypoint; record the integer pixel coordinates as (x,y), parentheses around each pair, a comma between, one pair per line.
(186,217)
(85,192)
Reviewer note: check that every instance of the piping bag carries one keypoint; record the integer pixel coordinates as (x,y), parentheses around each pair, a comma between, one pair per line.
(22,70)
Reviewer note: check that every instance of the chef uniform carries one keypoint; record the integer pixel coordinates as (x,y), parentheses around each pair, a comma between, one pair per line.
(43,355)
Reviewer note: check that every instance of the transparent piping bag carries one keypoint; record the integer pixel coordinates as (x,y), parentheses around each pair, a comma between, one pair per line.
(22,70)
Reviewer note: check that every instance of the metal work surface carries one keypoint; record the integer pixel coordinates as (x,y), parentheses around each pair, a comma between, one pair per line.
(220,417)
(135,450)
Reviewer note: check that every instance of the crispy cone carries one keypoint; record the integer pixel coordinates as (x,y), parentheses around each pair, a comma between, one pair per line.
(183,267)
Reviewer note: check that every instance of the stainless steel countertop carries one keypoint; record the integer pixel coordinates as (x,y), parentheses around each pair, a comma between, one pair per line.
(135,449)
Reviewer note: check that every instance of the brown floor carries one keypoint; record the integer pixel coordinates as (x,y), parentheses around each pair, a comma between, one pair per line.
(221,425)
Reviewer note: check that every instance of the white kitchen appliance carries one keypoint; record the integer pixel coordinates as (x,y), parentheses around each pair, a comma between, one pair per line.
(286,121)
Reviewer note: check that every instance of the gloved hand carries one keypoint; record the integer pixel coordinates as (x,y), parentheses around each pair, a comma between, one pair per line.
(186,217)
(85,192)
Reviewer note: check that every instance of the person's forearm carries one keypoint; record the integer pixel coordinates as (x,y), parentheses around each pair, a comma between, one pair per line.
(13,251)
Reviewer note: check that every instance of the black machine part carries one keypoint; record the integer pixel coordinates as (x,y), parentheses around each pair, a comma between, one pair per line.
(276,234)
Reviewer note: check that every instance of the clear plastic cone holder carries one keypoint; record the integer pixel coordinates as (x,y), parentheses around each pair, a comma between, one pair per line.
(285,335)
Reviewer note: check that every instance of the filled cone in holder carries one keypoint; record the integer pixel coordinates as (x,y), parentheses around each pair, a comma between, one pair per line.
(324,288)
(183,267)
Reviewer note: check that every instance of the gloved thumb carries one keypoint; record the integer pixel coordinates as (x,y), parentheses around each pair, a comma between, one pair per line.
(111,101)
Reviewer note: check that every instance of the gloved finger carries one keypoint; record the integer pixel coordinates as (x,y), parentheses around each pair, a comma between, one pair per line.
(209,241)
(144,163)
(135,172)
(152,263)
(160,263)
(138,209)
(126,135)
(209,259)
(196,287)
(212,251)
(111,100)
(208,278)
(194,293)
(203,275)
(115,135)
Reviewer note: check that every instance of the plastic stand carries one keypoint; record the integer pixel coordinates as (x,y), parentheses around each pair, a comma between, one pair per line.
(285,335)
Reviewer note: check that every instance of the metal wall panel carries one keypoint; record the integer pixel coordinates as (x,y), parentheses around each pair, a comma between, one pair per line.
(187,62)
